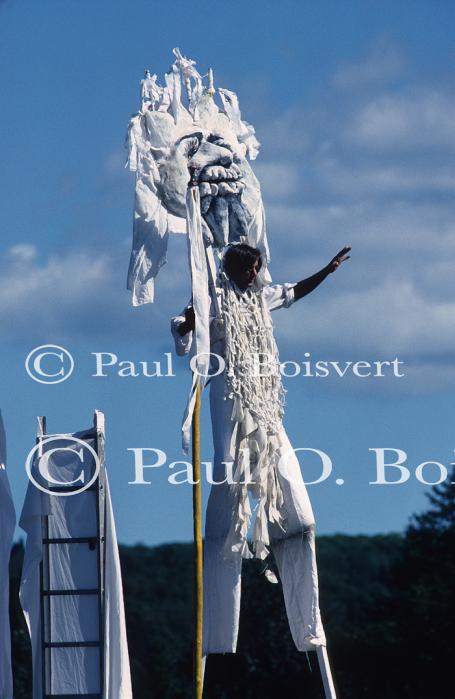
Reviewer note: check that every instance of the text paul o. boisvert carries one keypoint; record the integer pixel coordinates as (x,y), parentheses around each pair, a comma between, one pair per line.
(388,466)
(109,363)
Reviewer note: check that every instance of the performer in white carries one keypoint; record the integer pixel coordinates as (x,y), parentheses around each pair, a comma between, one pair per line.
(193,176)
(253,454)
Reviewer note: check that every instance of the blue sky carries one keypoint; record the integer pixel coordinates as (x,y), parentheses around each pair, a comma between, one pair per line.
(354,104)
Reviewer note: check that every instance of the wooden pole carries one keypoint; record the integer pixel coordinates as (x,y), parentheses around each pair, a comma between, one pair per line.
(197,531)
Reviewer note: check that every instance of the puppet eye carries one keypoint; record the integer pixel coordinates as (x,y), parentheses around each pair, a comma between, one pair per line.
(191,144)
(219,141)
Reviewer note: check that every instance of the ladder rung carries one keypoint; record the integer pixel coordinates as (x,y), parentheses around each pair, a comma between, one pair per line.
(72,696)
(75,644)
(69,489)
(83,434)
(73,540)
(51,593)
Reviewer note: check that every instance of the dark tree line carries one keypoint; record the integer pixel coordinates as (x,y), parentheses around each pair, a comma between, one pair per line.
(387,604)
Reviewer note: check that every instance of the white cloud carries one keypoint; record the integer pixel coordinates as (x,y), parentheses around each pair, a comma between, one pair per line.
(83,294)
(337,172)
(375,178)
(428,377)
(388,319)
(396,228)
(279,180)
(114,163)
(382,64)
(285,134)
(414,119)
(23,252)
(50,296)
(69,277)
(393,298)
(413,241)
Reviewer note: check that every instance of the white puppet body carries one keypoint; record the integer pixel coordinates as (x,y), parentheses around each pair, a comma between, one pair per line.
(290,536)
(169,145)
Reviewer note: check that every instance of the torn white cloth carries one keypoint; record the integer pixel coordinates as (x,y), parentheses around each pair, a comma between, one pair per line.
(7,525)
(291,538)
(74,618)
(197,260)
(253,383)
(170,136)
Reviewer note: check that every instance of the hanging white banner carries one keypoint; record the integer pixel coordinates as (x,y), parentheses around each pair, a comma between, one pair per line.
(7,525)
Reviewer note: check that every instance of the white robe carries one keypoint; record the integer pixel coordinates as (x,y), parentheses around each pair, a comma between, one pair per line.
(7,524)
(293,548)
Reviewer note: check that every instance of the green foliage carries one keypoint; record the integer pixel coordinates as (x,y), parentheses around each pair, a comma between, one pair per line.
(426,576)
(387,605)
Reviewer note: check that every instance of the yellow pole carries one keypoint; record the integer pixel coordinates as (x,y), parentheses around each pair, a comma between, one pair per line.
(197,530)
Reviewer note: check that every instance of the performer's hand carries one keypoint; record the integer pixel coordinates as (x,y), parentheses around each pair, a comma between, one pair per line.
(339,258)
(189,323)
(190,318)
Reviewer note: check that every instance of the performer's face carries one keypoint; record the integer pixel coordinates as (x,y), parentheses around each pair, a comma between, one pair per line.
(246,278)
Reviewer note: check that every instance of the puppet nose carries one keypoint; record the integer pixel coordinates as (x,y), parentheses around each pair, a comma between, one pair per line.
(211,154)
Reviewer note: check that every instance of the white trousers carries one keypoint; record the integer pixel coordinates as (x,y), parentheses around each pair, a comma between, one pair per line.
(293,548)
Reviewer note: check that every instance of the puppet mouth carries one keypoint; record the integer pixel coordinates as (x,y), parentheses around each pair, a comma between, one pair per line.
(219,181)
(220,189)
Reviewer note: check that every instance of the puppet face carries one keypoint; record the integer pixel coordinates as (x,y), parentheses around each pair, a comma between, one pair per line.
(229,191)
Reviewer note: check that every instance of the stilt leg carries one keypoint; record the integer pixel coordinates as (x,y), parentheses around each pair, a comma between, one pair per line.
(204,660)
(326,673)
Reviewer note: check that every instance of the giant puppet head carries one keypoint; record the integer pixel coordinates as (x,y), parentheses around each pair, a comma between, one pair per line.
(169,142)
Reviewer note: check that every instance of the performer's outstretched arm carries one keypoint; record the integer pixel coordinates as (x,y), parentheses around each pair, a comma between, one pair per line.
(308,285)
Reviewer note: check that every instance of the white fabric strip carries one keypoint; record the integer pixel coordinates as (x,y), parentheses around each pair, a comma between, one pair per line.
(201,304)
(7,524)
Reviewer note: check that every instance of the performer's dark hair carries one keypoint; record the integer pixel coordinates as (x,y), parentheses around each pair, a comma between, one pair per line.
(240,258)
